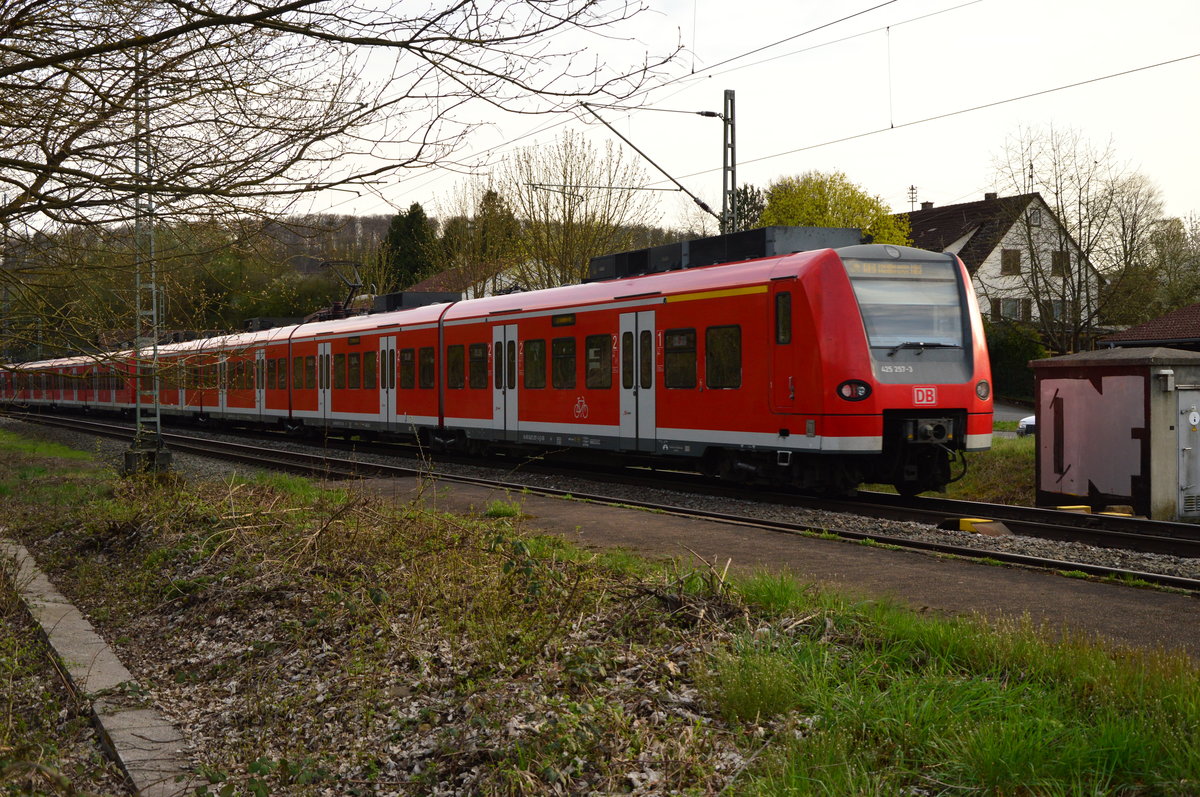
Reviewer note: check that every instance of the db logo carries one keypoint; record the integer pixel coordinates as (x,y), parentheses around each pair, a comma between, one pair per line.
(924,396)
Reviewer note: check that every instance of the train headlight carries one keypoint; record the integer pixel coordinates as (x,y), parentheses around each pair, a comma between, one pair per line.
(853,390)
(983,389)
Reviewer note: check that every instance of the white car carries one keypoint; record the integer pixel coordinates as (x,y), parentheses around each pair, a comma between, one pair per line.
(1027,425)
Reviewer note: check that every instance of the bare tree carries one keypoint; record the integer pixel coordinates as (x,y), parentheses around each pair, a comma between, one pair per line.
(1098,241)
(222,108)
(575,202)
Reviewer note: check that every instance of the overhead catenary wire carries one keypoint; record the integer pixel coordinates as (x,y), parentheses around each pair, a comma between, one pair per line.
(700,203)
(958,112)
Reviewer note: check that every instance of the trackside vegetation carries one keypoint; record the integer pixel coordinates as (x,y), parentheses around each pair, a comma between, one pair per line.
(321,639)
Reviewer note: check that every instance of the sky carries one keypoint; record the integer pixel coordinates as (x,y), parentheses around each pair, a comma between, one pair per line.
(895,93)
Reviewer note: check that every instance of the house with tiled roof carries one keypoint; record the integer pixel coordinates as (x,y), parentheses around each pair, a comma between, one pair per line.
(1178,329)
(471,283)
(1025,265)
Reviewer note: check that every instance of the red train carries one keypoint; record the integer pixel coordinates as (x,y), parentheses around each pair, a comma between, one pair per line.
(821,369)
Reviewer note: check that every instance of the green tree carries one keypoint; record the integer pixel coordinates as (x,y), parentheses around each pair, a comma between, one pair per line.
(751,202)
(820,199)
(410,246)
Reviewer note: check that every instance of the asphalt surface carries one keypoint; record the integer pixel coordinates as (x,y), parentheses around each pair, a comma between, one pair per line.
(1121,616)
(1002,411)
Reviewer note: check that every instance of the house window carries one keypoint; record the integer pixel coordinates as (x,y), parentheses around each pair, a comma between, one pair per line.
(1035,218)
(1060,262)
(1011,309)
(1010,262)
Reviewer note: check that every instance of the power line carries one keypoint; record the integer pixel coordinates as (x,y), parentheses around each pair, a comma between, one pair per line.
(708,72)
(959,112)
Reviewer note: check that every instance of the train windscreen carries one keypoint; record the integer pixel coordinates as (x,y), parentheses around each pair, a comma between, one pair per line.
(908,302)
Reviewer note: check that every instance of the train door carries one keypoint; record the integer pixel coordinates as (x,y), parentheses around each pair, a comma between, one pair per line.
(260,381)
(504,386)
(387,382)
(638,426)
(222,383)
(783,356)
(324,389)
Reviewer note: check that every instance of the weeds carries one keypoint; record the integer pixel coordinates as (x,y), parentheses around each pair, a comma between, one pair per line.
(330,642)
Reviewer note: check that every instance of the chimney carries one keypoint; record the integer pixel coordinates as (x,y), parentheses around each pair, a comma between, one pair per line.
(990,196)
(926,206)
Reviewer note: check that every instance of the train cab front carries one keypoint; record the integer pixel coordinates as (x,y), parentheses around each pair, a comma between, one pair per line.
(930,377)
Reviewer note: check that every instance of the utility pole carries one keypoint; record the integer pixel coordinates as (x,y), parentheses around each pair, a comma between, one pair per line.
(147,453)
(729,208)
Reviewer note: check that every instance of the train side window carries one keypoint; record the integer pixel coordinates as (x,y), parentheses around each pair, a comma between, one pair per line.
(679,358)
(627,360)
(354,371)
(646,358)
(535,363)
(339,371)
(783,317)
(310,371)
(723,357)
(370,367)
(477,370)
(455,366)
(271,372)
(598,358)
(282,382)
(562,363)
(425,366)
(408,369)
(297,373)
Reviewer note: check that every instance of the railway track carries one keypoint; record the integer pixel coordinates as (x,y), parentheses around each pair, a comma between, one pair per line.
(1154,536)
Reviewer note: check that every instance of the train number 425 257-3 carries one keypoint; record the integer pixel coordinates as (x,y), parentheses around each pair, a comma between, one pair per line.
(896,369)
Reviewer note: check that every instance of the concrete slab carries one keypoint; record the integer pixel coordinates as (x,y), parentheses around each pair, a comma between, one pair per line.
(142,741)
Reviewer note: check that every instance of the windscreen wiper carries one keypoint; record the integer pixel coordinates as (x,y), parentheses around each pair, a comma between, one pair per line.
(921,345)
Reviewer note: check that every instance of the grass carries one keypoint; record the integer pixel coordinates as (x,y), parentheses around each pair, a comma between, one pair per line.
(1004,474)
(867,698)
(350,645)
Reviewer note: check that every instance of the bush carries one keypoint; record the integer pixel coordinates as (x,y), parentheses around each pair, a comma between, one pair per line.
(1011,347)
